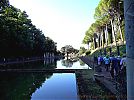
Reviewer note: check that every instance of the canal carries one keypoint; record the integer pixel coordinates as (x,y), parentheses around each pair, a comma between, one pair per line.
(49,86)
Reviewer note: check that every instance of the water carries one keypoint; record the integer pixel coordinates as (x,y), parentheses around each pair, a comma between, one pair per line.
(49,64)
(58,87)
(38,86)
(43,86)
(67,64)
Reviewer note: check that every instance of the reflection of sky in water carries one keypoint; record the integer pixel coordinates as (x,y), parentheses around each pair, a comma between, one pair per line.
(58,87)
(75,65)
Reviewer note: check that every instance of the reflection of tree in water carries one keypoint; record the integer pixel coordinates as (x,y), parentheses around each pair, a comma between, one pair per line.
(49,61)
(43,64)
(81,62)
(20,86)
(67,63)
(50,64)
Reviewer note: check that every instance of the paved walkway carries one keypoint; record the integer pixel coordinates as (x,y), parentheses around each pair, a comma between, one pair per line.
(99,70)
(104,73)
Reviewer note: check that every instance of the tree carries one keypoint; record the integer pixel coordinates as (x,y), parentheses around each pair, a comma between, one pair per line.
(108,25)
(19,35)
(82,50)
(87,39)
(67,49)
(3,4)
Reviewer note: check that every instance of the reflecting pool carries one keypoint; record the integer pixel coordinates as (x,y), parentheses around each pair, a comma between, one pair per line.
(67,64)
(47,86)
(38,86)
(48,64)
(58,87)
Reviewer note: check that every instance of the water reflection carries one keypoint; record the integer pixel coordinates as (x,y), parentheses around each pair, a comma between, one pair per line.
(58,87)
(43,64)
(20,86)
(81,63)
(49,64)
(25,86)
(49,61)
(68,64)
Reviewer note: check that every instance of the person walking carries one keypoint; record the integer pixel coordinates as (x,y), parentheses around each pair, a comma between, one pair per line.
(114,66)
(99,60)
(123,63)
(119,60)
(99,64)
(107,63)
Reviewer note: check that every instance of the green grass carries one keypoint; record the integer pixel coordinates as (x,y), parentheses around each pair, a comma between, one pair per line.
(122,49)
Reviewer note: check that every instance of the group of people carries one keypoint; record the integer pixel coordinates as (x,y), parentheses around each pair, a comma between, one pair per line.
(114,65)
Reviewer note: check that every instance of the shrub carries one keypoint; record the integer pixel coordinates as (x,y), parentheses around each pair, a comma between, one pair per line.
(88,52)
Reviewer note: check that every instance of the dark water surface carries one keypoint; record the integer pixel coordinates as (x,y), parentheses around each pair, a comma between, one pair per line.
(42,86)
(38,86)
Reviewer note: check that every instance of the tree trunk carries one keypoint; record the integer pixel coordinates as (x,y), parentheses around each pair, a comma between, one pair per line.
(129,34)
(110,50)
(93,44)
(103,42)
(106,35)
(88,45)
(102,39)
(118,50)
(121,33)
(113,33)
(120,30)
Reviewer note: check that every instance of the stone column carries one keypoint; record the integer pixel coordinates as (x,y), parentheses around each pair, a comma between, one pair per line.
(129,32)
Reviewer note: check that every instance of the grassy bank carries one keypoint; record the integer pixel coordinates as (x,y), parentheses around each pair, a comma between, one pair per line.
(101,51)
(88,88)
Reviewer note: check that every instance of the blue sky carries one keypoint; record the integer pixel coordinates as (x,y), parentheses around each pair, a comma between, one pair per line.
(64,21)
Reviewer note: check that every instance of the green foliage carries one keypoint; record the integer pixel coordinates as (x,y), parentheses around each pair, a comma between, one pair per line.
(68,49)
(21,86)
(105,11)
(122,49)
(20,36)
(88,52)
(82,50)
(4,3)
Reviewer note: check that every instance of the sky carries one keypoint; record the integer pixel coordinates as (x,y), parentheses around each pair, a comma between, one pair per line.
(64,21)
